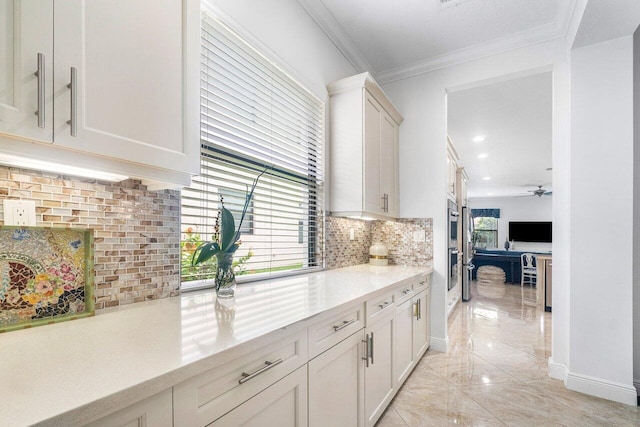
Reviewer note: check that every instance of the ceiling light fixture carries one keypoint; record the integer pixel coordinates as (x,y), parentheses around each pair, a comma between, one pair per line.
(479,138)
(489,194)
(486,178)
(483,156)
(26,163)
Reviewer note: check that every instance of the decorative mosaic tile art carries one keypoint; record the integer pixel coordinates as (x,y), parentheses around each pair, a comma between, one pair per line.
(45,276)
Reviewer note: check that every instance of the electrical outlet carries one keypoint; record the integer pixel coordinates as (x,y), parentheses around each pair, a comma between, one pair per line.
(20,212)
(419,236)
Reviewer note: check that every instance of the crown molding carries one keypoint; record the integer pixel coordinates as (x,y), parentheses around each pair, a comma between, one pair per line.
(544,33)
(328,24)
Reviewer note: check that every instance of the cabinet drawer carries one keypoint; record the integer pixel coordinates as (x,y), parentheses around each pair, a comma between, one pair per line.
(422,283)
(205,398)
(403,293)
(378,306)
(329,332)
(154,411)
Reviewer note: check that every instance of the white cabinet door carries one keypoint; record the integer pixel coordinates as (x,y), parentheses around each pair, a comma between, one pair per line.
(373,114)
(403,345)
(388,164)
(125,99)
(284,404)
(156,411)
(378,376)
(421,324)
(336,385)
(26,46)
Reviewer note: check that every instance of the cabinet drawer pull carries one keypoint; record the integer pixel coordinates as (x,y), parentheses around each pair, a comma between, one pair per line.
(41,93)
(384,305)
(406,291)
(416,308)
(344,325)
(371,348)
(73,86)
(268,365)
(419,308)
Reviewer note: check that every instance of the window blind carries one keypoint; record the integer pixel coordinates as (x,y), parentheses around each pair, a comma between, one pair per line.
(254,117)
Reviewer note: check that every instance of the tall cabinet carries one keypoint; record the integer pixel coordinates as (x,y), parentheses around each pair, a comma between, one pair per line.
(364,149)
(102,79)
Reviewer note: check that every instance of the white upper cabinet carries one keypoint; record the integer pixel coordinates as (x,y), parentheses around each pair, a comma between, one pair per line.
(26,73)
(119,80)
(364,149)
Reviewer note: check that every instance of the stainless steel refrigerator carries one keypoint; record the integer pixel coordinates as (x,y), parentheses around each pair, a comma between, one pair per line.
(467,253)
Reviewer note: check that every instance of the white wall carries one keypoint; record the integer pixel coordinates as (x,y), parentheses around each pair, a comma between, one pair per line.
(290,37)
(422,101)
(529,208)
(601,263)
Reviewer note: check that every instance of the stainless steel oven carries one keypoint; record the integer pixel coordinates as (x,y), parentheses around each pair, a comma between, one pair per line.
(452,249)
(452,278)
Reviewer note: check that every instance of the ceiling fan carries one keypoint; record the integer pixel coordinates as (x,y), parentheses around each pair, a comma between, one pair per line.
(540,192)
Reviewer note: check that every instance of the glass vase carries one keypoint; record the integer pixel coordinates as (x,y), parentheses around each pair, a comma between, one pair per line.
(225,277)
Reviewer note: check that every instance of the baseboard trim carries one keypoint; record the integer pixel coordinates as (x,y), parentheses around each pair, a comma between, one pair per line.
(636,384)
(617,392)
(438,344)
(557,371)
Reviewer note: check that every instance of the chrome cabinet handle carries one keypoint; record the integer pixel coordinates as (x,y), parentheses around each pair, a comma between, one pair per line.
(73,86)
(382,306)
(343,325)
(371,347)
(366,350)
(416,307)
(41,93)
(406,291)
(419,308)
(268,365)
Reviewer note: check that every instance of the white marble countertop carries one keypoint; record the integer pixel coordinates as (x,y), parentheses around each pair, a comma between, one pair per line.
(73,372)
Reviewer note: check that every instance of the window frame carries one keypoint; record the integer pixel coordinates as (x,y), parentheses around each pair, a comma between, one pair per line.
(313,260)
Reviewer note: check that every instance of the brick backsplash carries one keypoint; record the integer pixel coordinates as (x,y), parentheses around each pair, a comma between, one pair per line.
(341,251)
(136,232)
(398,237)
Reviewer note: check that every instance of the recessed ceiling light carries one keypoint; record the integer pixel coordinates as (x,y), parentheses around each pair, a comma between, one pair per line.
(486,178)
(489,194)
(478,138)
(483,156)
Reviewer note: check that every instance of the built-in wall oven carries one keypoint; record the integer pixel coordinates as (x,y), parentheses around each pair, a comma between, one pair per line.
(452,249)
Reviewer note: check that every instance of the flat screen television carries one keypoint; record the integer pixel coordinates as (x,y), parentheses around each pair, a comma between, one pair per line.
(530,231)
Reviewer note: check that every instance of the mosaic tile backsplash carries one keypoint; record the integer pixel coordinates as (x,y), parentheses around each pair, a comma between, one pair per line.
(46,275)
(136,232)
(398,237)
(341,251)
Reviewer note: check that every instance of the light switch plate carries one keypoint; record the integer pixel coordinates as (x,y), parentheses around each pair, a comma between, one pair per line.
(419,236)
(20,212)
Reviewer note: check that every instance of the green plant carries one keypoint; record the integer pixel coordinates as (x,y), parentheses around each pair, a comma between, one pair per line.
(225,239)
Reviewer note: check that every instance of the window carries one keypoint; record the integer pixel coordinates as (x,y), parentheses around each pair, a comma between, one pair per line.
(234,201)
(255,117)
(485,232)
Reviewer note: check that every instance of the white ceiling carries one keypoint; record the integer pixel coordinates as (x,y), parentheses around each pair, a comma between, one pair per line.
(515,117)
(395,39)
(398,39)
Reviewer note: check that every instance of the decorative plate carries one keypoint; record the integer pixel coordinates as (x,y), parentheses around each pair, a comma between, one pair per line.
(46,276)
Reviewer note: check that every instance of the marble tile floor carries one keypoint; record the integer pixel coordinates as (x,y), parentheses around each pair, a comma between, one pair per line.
(495,373)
